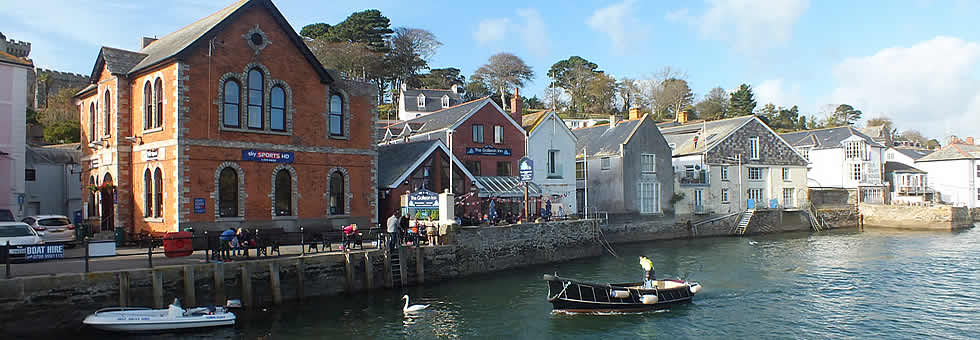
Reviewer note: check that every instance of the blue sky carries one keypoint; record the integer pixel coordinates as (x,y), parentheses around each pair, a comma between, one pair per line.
(916,61)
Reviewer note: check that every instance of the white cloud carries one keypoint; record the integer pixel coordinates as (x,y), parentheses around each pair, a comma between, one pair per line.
(775,92)
(531,30)
(930,86)
(749,26)
(617,22)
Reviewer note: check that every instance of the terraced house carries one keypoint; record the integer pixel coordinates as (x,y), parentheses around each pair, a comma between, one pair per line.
(230,121)
(843,157)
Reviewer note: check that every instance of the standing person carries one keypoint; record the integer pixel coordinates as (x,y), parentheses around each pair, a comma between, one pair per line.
(403,225)
(393,231)
(236,245)
(225,243)
(244,240)
(649,276)
(431,233)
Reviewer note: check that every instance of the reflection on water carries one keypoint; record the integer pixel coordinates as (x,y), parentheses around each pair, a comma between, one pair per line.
(838,284)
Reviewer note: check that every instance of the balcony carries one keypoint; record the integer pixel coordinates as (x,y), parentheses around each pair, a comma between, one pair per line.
(697,178)
(913,190)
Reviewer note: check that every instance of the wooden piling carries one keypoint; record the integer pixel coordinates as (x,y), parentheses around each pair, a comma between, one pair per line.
(402,272)
(274,283)
(300,277)
(158,289)
(388,276)
(123,289)
(190,295)
(246,286)
(219,284)
(419,266)
(368,272)
(348,274)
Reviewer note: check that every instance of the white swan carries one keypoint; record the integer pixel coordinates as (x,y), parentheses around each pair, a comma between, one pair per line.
(412,308)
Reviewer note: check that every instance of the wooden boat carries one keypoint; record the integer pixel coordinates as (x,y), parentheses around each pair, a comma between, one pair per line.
(571,295)
(129,319)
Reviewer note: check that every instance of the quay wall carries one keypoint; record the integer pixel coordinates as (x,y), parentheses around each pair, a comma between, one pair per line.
(937,217)
(63,300)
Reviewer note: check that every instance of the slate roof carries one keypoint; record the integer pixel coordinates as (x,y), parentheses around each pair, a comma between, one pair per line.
(433,99)
(119,61)
(953,151)
(901,167)
(11,59)
(913,153)
(55,154)
(440,119)
(829,138)
(396,159)
(708,134)
(602,140)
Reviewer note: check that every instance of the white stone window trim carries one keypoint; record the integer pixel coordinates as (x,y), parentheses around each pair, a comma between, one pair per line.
(420,101)
(748,174)
(344,112)
(294,192)
(653,163)
(265,39)
(268,83)
(242,194)
(153,104)
(445,101)
(348,195)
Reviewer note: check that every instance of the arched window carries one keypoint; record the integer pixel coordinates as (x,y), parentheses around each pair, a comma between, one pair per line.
(336,116)
(277,109)
(147,106)
(147,194)
(158,193)
(255,98)
(231,110)
(336,193)
(158,100)
(284,193)
(228,193)
(445,101)
(108,113)
(91,123)
(421,101)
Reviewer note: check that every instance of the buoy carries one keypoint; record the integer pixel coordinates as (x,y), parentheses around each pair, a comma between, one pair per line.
(695,288)
(649,299)
(619,294)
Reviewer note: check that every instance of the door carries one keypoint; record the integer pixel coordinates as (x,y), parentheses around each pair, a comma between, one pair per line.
(649,197)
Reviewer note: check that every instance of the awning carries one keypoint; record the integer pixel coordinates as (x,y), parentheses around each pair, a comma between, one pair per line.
(505,186)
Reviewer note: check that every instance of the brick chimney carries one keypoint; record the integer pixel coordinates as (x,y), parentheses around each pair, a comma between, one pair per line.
(516,106)
(953,140)
(682,117)
(146,41)
(969,140)
(635,113)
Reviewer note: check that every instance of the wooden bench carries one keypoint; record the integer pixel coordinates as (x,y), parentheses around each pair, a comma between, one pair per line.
(268,241)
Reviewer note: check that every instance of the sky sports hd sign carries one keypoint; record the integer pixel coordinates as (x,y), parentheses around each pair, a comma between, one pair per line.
(267,156)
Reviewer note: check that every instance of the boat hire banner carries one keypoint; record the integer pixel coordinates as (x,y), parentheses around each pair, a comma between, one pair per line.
(488,150)
(46,252)
(267,156)
(423,199)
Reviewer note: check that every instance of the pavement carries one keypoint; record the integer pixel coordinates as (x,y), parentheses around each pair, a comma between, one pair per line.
(134,258)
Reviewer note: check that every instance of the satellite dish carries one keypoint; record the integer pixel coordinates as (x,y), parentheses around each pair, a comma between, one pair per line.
(697,167)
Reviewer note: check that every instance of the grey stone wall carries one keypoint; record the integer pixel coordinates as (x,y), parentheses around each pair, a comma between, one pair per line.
(772,149)
(830,197)
(941,217)
(839,217)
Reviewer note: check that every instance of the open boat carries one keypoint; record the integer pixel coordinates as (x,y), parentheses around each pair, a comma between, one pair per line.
(571,295)
(136,319)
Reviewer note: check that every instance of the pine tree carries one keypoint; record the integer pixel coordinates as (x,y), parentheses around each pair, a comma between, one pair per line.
(742,101)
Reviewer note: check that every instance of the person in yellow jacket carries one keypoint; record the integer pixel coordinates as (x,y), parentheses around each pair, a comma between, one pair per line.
(647,265)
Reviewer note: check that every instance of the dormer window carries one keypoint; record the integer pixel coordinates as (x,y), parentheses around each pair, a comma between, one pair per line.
(421,101)
(445,101)
(856,150)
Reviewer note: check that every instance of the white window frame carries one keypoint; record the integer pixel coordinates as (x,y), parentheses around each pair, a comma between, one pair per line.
(857,171)
(724,196)
(477,132)
(584,169)
(498,134)
(649,197)
(805,152)
(605,163)
(554,171)
(445,101)
(786,175)
(753,147)
(698,198)
(759,199)
(420,101)
(790,200)
(757,178)
(724,172)
(648,163)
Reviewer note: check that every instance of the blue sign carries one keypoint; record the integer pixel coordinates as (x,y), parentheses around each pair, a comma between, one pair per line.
(36,253)
(20,199)
(199,205)
(267,156)
(488,150)
(526,168)
(423,199)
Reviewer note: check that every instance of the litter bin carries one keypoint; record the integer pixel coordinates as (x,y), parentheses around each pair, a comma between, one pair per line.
(120,237)
(81,231)
(178,244)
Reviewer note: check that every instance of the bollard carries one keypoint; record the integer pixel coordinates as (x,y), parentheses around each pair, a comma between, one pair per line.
(190,293)
(149,254)
(302,242)
(274,283)
(85,244)
(207,248)
(6,260)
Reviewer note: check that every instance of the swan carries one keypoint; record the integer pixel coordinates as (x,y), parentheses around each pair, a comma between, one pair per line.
(412,308)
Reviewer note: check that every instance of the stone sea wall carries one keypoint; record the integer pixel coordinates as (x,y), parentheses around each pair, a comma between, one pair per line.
(941,217)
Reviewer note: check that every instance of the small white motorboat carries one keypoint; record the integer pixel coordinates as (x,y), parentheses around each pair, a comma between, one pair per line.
(137,319)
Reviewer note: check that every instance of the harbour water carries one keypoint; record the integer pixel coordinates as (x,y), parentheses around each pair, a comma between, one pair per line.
(837,284)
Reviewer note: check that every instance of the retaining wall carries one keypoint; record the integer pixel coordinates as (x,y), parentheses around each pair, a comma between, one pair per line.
(941,217)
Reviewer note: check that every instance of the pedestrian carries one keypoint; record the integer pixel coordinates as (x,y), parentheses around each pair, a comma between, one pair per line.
(431,233)
(236,245)
(393,231)
(225,243)
(403,225)
(244,240)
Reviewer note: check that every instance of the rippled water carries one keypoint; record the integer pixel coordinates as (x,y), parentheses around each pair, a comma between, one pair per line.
(839,284)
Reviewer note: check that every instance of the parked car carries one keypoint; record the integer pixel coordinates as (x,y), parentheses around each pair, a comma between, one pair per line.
(52,228)
(18,234)
(6,215)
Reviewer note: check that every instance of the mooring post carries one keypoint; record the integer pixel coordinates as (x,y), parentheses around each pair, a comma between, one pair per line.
(158,289)
(246,286)
(388,275)
(123,289)
(274,283)
(368,272)
(402,271)
(219,284)
(300,278)
(190,295)
(348,273)
(419,265)
(85,244)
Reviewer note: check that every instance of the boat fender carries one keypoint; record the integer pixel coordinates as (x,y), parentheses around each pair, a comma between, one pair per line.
(649,299)
(619,294)
(695,288)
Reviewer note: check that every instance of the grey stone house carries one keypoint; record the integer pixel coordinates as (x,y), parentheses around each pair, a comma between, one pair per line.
(623,168)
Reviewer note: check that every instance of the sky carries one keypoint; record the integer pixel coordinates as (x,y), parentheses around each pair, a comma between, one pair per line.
(915,61)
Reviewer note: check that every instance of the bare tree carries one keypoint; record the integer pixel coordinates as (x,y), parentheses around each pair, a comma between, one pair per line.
(630,94)
(669,92)
(503,71)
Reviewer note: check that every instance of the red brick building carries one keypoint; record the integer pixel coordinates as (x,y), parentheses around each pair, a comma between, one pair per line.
(230,121)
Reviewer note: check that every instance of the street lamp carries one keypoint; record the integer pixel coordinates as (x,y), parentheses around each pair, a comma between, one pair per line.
(452,162)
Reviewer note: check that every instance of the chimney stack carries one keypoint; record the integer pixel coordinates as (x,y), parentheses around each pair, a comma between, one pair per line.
(516,106)
(612,121)
(635,113)
(953,140)
(969,140)
(146,41)
(682,117)
(454,88)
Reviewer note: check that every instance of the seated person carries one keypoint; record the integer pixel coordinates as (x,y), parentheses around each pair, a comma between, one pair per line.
(351,236)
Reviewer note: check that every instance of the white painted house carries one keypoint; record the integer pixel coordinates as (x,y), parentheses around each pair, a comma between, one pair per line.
(13,142)
(843,157)
(954,172)
(905,155)
(551,146)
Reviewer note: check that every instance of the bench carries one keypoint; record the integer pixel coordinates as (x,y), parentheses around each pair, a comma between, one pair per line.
(268,241)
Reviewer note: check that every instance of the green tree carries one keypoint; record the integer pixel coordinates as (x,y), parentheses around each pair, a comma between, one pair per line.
(801,123)
(315,31)
(742,101)
(368,27)
(933,144)
(442,78)
(846,115)
(503,71)
(573,75)
(64,131)
(671,96)
(714,106)
(768,113)
(533,103)
(600,94)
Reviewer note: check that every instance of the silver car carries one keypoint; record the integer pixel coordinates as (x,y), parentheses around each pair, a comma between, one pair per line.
(52,228)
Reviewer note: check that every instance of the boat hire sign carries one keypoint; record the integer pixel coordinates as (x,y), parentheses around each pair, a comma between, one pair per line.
(423,199)
(488,150)
(44,252)
(267,156)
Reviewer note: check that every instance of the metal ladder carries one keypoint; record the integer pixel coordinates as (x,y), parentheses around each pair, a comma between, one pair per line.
(815,224)
(743,223)
(396,276)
